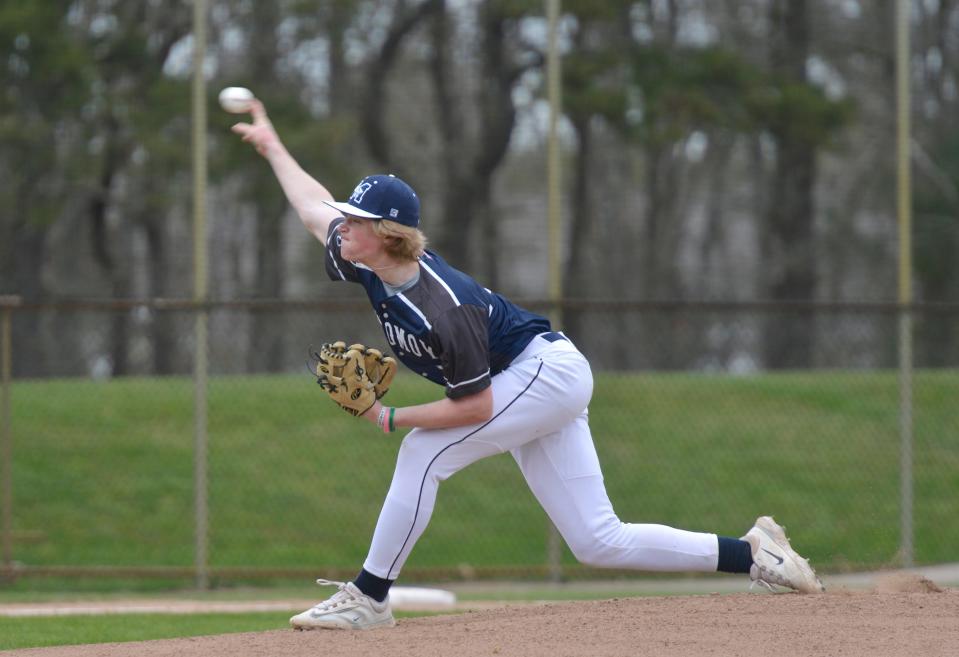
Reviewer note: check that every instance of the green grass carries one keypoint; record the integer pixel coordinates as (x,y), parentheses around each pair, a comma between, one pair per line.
(71,630)
(74,630)
(102,471)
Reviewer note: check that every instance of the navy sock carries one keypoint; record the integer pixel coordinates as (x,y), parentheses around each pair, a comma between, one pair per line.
(373,586)
(735,556)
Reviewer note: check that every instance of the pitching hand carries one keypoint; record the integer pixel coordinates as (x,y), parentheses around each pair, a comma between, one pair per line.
(260,133)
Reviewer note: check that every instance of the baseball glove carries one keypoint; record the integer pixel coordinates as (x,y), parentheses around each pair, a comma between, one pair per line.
(354,377)
(381,370)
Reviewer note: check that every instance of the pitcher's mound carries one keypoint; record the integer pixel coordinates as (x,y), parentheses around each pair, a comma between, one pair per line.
(877,624)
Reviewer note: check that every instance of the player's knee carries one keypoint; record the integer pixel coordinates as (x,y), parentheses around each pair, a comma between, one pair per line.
(419,455)
(589,553)
(597,547)
(588,549)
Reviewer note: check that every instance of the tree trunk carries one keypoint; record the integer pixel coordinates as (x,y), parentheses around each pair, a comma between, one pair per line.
(266,344)
(496,121)
(28,262)
(791,213)
(488,268)
(574,278)
(453,239)
(163,332)
(340,91)
(375,101)
(713,251)
(467,165)
(660,266)
(113,268)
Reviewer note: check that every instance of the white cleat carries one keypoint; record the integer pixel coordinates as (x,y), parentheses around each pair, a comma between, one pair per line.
(775,562)
(347,609)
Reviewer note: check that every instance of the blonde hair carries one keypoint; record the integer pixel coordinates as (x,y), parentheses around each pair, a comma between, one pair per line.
(401,241)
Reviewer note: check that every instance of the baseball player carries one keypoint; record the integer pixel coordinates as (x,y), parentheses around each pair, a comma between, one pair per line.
(512,384)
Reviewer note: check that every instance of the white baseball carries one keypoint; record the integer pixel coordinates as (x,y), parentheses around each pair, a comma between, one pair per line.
(236,100)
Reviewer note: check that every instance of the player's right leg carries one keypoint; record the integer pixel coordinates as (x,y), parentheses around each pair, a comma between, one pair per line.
(563,472)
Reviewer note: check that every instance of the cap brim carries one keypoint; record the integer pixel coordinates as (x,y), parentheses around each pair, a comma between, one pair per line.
(352,210)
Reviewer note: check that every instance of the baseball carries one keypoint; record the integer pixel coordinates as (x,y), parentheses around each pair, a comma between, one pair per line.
(236,100)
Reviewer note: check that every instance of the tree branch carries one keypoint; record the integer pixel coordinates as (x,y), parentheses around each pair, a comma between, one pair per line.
(372,118)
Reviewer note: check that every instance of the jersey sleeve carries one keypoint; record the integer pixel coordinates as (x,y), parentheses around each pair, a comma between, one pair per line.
(461,336)
(337,268)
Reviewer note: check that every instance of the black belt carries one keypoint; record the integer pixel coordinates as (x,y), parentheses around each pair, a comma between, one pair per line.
(553,336)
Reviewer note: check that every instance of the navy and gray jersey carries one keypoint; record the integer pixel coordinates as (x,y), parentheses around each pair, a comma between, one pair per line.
(446,327)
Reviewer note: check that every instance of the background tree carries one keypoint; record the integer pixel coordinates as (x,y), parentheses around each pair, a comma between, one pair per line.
(936,166)
(125,107)
(42,147)
(712,147)
(472,111)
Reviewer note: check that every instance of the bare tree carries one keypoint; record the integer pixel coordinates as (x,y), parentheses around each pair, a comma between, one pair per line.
(38,181)
(789,248)
(474,125)
(128,66)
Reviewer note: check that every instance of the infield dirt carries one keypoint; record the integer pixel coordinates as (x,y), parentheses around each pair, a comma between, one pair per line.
(911,616)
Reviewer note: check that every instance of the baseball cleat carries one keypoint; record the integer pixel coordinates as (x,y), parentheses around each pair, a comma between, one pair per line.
(775,562)
(347,609)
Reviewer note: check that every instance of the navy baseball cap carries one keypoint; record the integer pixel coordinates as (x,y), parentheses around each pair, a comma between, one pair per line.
(382,197)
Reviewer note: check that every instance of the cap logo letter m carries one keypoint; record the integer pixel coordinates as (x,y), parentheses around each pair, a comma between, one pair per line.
(360,191)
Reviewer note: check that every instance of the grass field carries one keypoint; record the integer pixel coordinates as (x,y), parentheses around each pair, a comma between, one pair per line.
(73,630)
(30,632)
(102,471)
(70,630)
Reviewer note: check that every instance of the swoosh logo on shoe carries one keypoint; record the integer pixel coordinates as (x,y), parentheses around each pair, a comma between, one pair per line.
(779,559)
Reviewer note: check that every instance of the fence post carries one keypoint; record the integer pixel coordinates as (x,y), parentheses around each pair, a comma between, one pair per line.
(904,214)
(200,289)
(7,304)
(906,531)
(554,183)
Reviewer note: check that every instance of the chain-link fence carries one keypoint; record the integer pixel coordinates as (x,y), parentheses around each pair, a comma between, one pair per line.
(697,422)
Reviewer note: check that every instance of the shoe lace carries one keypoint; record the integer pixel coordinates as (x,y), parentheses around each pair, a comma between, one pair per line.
(342,596)
(763,583)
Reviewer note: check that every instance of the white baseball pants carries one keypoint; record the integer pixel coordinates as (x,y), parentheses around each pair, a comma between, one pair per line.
(539,415)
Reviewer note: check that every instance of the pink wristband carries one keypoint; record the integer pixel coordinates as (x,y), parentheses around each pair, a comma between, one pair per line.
(387,422)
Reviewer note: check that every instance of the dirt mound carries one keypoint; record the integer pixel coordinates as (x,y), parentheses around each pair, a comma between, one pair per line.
(878,625)
(906,583)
